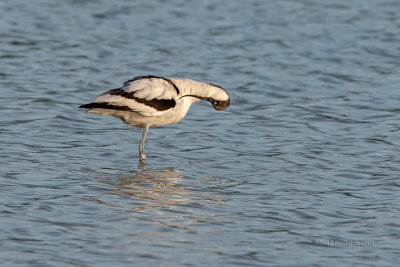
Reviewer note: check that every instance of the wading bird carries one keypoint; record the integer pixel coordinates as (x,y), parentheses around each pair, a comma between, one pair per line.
(151,101)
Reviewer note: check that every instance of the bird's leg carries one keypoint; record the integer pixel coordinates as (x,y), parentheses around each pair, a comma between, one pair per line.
(141,147)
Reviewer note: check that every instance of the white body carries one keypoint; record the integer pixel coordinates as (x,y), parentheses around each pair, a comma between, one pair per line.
(155,119)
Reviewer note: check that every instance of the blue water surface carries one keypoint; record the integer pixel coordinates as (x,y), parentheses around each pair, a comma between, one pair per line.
(302,169)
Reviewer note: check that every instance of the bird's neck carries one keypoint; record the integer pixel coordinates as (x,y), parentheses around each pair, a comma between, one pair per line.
(194,88)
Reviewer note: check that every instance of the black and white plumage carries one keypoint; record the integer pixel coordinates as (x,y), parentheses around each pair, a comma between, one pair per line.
(151,101)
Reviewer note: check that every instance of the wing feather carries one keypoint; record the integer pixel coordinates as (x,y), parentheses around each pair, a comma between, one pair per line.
(151,87)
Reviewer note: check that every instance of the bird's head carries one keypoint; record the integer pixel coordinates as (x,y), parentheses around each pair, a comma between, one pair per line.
(220,104)
(219,98)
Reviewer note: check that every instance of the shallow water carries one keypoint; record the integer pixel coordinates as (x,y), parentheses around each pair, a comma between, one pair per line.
(307,154)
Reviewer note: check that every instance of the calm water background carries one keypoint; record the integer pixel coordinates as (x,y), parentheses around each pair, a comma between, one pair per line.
(308,152)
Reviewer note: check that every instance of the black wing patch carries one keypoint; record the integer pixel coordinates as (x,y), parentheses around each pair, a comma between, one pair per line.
(155,77)
(105,106)
(158,104)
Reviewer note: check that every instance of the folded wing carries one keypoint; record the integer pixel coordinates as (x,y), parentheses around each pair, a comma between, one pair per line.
(147,95)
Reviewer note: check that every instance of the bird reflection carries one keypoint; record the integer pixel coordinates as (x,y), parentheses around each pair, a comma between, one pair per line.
(165,198)
(157,188)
